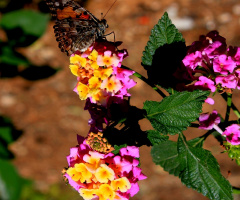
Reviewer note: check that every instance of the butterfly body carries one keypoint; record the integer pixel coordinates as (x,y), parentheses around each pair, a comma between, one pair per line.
(76,28)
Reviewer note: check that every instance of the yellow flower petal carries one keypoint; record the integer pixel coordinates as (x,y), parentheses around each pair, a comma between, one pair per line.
(94,83)
(79,173)
(83,171)
(71,171)
(93,56)
(104,174)
(94,65)
(92,160)
(103,73)
(74,69)
(105,192)
(121,184)
(87,194)
(83,91)
(76,59)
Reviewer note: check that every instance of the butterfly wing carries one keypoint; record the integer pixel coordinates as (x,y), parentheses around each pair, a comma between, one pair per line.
(75,28)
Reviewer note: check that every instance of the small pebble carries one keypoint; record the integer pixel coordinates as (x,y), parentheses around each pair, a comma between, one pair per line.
(236,9)
(172,10)
(210,25)
(7,100)
(183,24)
(224,18)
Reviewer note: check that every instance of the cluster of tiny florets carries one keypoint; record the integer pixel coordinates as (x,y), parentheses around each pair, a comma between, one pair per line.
(99,75)
(103,176)
(212,65)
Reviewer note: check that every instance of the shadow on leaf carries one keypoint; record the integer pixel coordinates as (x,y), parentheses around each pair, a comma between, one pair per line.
(166,60)
(130,132)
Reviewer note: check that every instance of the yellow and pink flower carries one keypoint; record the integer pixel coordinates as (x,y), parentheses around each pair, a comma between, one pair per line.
(99,74)
(103,176)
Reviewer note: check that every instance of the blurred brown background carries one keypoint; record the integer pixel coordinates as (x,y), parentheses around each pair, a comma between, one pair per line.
(51,114)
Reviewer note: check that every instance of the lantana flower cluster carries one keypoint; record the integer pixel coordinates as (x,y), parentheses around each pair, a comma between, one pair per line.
(212,65)
(103,176)
(99,74)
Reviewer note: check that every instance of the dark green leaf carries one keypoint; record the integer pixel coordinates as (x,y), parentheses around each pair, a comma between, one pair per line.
(10,181)
(8,132)
(5,139)
(164,32)
(200,171)
(155,137)
(11,57)
(166,155)
(31,22)
(176,112)
(5,134)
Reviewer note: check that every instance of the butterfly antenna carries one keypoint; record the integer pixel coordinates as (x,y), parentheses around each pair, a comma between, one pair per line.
(109,9)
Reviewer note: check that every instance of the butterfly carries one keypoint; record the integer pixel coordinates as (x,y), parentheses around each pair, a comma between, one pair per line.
(75,28)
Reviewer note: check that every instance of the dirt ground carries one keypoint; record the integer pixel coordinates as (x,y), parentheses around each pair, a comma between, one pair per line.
(51,114)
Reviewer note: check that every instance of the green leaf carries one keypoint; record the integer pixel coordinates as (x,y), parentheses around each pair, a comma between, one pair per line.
(196,142)
(5,138)
(117,148)
(164,32)
(166,155)
(10,181)
(23,27)
(5,134)
(8,134)
(176,112)
(155,137)
(201,172)
(11,57)
(29,21)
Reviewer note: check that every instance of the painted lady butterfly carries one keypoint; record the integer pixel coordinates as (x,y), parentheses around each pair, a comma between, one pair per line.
(76,28)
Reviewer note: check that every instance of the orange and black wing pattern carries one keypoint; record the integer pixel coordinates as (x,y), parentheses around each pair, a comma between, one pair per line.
(75,28)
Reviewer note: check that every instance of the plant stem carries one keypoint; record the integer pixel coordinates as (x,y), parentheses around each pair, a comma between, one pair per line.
(229,104)
(204,136)
(235,110)
(146,81)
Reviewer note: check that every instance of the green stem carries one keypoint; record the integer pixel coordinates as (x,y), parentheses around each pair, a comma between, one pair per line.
(235,110)
(204,136)
(229,104)
(146,81)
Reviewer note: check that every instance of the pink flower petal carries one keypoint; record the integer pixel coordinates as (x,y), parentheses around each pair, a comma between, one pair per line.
(209,101)
(130,151)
